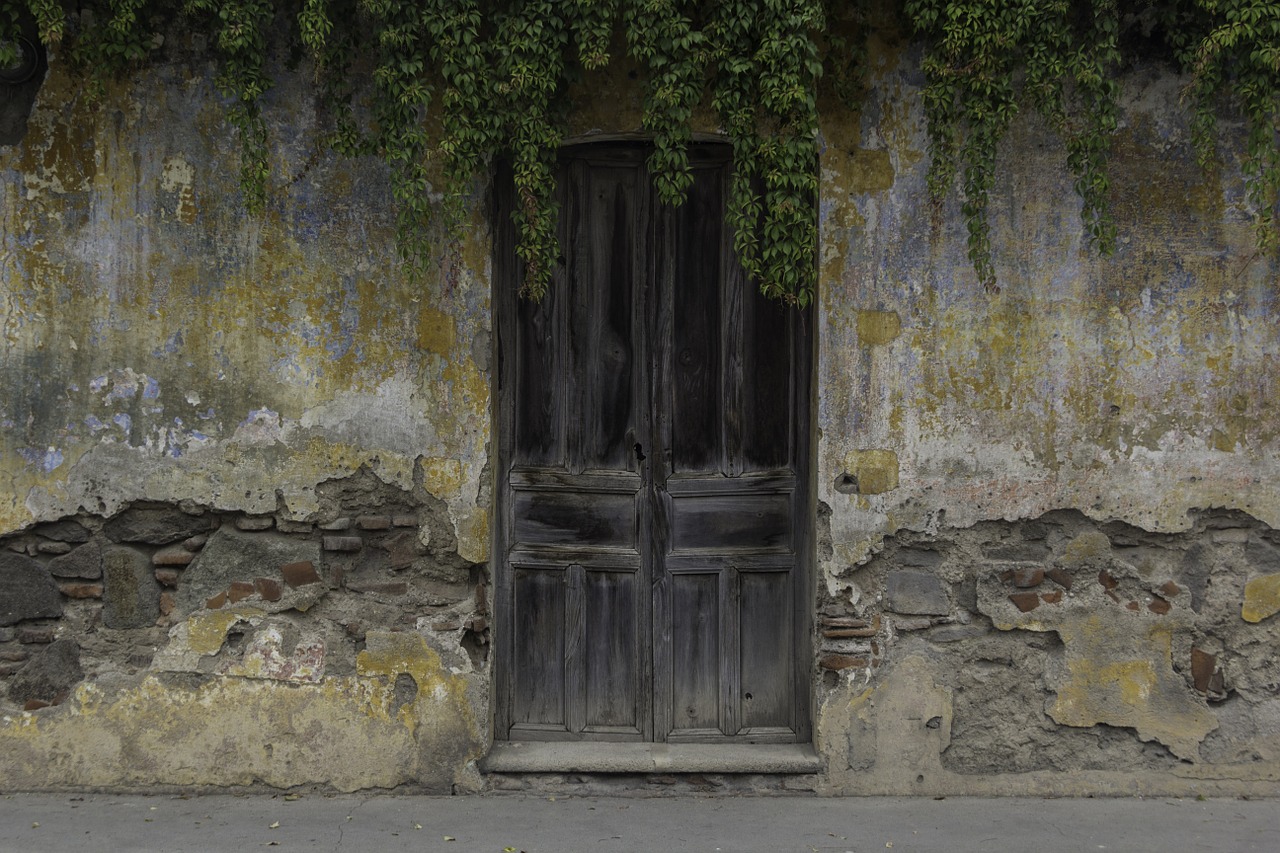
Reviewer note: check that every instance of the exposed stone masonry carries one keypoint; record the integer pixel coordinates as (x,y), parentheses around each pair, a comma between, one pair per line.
(1066,644)
(189,589)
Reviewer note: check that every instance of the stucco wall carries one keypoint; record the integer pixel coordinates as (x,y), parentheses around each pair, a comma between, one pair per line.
(1044,515)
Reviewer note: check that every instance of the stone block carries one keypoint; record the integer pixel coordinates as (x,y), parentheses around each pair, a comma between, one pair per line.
(62,531)
(84,562)
(154,526)
(34,634)
(27,590)
(252,522)
(234,555)
(55,548)
(49,675)
(917,593)
(131,595)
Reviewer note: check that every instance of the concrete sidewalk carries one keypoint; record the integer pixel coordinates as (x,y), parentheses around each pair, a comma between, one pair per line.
(497,823)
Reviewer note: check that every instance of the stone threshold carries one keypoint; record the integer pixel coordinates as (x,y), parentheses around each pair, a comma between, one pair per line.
(599,757)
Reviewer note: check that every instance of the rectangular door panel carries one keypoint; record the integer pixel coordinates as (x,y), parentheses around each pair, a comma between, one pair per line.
(539,630)
(612,652)
(581,518)
(765,620)
(729,522)
(602,240)
(695,652)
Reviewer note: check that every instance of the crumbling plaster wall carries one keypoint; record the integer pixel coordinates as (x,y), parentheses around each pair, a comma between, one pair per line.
(1045,514)
(320,421)
(1045,563)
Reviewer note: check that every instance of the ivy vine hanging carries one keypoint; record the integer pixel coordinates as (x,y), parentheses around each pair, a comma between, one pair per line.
(464,81)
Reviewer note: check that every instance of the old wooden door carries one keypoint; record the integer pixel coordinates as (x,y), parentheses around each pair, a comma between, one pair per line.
(653,529)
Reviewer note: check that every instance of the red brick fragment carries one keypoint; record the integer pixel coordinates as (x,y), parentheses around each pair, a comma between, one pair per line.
(405,521)
(269,589)
(1203,665)
(29,635)
(195,543)
(1025,601)
(1107,581)
(839,662)
(217,601)
(1159,606)
(80,590)
(1026,577)
(373,522)
(300,573)
(255,522)
(1054,597)
(451,625)
(478,624)
(172,557)
(341,543)
(13,655)
(167,603)
(168,577)
(482,599)
(1169,589)
(844,622)
(239,591)
(35,705)
(1134,606)
(1061,577)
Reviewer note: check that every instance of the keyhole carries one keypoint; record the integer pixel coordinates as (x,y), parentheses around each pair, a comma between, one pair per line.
(747,697)
(639,452)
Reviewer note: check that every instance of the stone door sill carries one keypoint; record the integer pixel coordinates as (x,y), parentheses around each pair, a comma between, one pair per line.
(596,757)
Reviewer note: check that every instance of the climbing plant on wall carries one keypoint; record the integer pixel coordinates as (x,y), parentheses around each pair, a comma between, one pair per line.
(460,82)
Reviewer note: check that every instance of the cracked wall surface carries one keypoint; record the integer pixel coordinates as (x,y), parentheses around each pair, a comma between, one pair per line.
(245,479)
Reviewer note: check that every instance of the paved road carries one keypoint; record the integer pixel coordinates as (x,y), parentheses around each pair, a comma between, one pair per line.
(497,823)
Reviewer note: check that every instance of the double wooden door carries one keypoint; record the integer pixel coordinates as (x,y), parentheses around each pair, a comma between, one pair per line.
(653,525)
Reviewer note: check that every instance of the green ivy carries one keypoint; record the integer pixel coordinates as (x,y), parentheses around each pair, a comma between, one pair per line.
(1242,54)
(453,84)
(985,60)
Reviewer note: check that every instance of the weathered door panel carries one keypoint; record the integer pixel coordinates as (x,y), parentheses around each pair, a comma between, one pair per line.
(653,446)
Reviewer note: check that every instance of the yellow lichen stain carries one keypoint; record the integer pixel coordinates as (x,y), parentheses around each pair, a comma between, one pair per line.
(1261,598)
(436,331)
(473,533)
(207,630)
(876,471)
(177,177)
(390,653)
(442,476)
(1088,545)
(876,328)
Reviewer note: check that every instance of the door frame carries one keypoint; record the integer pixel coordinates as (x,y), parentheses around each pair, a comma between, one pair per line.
(504,308)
